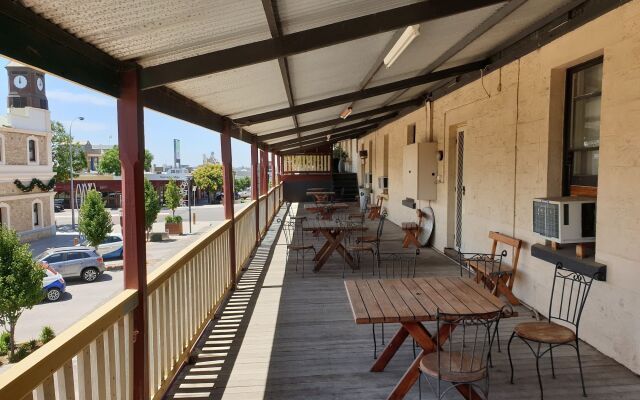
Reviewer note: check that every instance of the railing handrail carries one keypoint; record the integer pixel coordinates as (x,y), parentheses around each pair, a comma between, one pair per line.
(28,373)
(262,196)
(245,210)
(169,267)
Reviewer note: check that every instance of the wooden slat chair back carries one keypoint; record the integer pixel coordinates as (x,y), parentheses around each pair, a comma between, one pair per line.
(375,209)
(500,280)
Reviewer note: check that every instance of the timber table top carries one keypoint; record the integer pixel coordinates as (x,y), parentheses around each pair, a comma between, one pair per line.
(313,206)
(417,299)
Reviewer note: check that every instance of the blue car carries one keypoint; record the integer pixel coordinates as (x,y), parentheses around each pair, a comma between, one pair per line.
(53,284)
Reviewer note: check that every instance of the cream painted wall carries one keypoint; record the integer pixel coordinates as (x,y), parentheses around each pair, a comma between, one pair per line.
(513,148)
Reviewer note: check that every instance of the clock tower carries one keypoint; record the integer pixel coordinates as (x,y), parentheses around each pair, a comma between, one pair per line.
(26,87)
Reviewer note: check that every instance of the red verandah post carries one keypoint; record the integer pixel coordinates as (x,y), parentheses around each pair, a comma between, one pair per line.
(131,143)
(227,179)
(264,183)
(255,195)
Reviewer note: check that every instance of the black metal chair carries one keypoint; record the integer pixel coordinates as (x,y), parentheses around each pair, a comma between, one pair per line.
(354,246)
(464,358)
(294,236)
(395,265)
(375,240)
(489,264)
(568,296)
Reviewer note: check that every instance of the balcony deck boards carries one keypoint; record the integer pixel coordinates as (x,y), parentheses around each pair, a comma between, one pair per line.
(296,339)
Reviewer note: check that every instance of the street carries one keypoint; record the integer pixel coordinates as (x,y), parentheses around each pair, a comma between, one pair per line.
(82,298)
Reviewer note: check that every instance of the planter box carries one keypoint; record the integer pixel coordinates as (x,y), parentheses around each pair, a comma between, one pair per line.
(173,228)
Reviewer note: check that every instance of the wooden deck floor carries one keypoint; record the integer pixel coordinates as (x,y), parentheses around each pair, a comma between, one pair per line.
(282,336)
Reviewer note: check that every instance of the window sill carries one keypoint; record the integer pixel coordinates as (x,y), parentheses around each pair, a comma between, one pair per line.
(567,256)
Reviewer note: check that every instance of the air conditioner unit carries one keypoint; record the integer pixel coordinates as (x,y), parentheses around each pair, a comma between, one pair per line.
(383,182)
(565,219)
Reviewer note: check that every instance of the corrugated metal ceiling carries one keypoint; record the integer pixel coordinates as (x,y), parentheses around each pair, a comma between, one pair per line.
(153,32)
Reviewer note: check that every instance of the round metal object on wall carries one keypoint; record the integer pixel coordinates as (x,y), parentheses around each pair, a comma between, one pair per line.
(427,226)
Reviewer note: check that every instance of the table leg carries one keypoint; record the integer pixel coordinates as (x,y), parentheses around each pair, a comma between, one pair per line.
(391,349)
(345,254)
(333,242)
(322,250)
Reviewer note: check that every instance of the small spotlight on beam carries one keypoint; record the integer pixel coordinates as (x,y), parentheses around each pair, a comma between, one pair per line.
(346,112)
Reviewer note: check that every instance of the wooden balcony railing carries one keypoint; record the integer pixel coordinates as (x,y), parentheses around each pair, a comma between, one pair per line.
(308,163)
(93,358)
(262,213)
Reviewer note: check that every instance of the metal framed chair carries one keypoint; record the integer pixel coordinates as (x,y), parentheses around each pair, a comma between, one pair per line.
(395,265)
(568,296)
(464,358)
(294,236)
(375,240)
(353,244)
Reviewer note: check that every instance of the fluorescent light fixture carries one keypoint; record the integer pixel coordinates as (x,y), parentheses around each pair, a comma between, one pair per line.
(403,42)
(346,112)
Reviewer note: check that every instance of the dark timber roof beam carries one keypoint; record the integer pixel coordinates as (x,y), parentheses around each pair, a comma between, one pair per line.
(307,40)
(362,94)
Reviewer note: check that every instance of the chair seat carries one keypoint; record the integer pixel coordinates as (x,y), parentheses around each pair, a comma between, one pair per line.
(374,206)
(300,247)
(485,268)
(545,332)
(368,239)
(454,367)
(360,247)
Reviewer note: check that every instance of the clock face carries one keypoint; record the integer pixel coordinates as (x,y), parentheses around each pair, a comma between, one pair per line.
(40,84)
(20,81)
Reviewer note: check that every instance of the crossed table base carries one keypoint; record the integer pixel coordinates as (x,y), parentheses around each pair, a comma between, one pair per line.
(334,236)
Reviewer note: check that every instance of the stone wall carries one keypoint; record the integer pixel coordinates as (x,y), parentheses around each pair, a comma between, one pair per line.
(16,148)
(513,122)
(21,215)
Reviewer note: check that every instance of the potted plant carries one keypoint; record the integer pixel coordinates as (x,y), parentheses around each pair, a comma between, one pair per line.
(339,156)
(173,225)
(172,197)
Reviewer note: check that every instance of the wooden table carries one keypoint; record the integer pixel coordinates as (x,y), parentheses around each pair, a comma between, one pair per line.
(411,302)
(334,233)
(321,195)
(326,210)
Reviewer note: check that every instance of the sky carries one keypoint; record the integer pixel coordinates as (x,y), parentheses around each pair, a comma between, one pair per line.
(68,100)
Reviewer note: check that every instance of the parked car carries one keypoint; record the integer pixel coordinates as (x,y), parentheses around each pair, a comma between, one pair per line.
(58,205)
(109,249)
(244,194)
(74,262)
(220,196)
(53,284)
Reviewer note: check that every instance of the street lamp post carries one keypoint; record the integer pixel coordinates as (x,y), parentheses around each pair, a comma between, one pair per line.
(71,199)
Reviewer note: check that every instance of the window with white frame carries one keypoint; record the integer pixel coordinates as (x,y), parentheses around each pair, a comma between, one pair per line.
(32,150)
(37,213)
(4,214)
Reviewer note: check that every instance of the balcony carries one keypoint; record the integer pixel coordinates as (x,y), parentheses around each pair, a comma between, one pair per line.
(485,87)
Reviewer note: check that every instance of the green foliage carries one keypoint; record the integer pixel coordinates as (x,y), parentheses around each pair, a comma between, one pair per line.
(208,177)
(95,221)
(172,196)
(339,153)
(61,155)
(20,281)
(151,205)
(46,334)
(5,339)
(176,219)
(23,351)
(45,187)
(110,162)
(156,237)
(242,183)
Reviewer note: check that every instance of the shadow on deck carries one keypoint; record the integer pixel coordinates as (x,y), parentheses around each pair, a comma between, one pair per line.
(282,336)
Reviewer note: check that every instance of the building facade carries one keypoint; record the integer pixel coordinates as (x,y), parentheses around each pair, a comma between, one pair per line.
(26,168)
(94,154)
(511,137)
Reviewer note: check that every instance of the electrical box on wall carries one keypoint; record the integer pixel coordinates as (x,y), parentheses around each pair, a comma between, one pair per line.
(420,169)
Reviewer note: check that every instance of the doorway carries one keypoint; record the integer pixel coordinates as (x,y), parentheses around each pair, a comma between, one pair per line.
(459,188)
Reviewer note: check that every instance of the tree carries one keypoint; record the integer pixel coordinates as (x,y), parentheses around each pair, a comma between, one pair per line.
(95,221)
(208,177)
(242,183)
(110,162)
(172,196)
(20,281)
(151,205)
(60,153)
